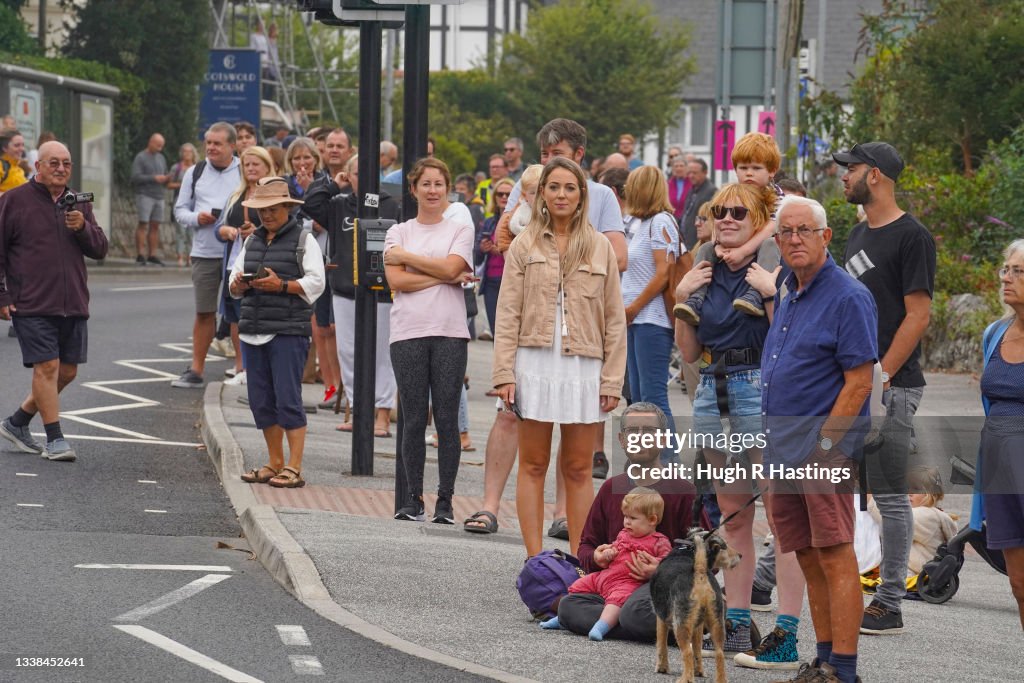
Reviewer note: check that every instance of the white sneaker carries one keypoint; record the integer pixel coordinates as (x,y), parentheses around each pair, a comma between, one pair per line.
(237,380)
(223,347)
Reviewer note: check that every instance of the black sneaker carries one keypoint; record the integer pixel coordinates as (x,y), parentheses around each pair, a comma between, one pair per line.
(738,638)
(11,332)
(689,312)
(879,620)
(412,511)
(153,260)
(750,303)
(600,465)
(188,380)
(140,260)
(760,601)
(443,511)
(808,672)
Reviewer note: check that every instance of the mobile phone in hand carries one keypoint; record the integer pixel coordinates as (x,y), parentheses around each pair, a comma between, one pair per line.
(215,212)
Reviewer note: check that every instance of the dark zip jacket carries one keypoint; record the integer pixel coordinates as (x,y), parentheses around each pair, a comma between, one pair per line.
(42,264)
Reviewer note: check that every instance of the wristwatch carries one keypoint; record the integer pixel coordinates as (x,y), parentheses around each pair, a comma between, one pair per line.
(824,443)
(284,286)
(885,377)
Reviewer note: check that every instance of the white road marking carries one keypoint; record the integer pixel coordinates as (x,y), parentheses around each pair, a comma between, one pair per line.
(29,505)
(149,288)
(293,635)
(114,439)
(306,665)
(116,430)
(172,598)
(25,474)
(161,512)
(146,481)
(187,653)
(161,567)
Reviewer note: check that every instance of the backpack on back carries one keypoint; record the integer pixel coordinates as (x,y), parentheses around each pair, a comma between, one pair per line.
(545,578)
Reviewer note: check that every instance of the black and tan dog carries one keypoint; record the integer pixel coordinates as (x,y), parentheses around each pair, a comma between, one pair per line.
(688,599)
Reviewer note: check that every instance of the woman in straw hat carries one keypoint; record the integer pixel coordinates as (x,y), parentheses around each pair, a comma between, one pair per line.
(278,275)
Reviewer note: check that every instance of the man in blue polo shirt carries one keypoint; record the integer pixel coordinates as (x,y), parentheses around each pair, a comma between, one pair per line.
(816,376)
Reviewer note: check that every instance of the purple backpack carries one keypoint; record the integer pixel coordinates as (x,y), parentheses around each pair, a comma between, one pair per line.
(545,578)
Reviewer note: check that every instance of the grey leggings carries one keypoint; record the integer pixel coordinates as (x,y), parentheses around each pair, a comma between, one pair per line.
(424,368)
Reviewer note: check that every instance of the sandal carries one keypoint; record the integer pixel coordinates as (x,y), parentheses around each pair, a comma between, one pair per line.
(289,478)
(559,528)
(475,525)
(255,476)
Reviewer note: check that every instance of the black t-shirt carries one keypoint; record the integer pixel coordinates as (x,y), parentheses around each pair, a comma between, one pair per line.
(893,261)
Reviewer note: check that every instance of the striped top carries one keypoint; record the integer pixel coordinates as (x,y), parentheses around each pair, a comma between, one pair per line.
(648,237)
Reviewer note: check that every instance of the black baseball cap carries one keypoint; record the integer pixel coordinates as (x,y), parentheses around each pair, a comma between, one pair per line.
(880,155)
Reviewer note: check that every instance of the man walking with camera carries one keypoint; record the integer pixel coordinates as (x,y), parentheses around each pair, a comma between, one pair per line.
(45,231)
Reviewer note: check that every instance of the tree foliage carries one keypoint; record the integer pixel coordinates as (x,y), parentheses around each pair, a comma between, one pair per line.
(472,108)
(612,65)
(162,43)
(952,83)
(14,35)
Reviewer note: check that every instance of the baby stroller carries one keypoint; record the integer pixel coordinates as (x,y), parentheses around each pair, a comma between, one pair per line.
(939,579)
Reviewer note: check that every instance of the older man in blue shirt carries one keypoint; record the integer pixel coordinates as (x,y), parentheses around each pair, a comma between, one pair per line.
(816,374)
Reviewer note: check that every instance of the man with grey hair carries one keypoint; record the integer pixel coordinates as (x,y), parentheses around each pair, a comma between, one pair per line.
(816,370)
(205,189)
(513,150)
(578,612)
(388,156)
(893,255)
(149,176)
(44,290)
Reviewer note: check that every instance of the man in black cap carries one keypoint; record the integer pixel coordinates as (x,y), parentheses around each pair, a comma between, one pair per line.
(893,255)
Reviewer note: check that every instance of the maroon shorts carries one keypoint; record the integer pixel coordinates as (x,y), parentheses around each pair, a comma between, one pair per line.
(811,520)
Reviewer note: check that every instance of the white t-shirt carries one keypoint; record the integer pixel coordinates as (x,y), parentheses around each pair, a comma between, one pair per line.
(604,213)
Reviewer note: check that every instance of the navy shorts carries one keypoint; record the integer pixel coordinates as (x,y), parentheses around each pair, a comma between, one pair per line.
(274,381)
(324,309)
(52,337)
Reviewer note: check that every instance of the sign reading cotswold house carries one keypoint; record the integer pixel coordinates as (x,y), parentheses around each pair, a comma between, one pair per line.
(231,88)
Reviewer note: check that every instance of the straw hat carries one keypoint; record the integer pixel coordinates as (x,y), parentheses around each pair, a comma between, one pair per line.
(270,192)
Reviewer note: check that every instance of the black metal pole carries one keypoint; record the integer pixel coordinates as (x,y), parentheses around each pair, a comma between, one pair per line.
(414,143)
(364,379)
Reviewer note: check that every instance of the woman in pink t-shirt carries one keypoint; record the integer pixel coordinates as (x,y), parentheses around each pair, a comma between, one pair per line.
(426,261)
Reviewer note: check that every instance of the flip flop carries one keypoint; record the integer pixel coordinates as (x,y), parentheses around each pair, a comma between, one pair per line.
(559,529)
(344,427)
(490,524)
(468,449)
(382,433)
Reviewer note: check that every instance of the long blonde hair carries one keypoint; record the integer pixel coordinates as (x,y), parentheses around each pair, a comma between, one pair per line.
(492,205)
(243,187)
(582,235)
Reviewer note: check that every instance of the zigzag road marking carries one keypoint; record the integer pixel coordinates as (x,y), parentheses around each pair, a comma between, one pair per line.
(140,365)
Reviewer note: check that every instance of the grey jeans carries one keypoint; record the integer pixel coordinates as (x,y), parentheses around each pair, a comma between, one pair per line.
(894,507)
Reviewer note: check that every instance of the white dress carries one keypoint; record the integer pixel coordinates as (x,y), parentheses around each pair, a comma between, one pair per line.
(551,387)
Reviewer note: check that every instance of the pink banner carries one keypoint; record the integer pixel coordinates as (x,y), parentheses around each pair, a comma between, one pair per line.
(766,123)
(725,139)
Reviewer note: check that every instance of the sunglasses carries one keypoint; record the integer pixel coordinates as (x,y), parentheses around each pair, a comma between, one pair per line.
(502,194)
(738,212)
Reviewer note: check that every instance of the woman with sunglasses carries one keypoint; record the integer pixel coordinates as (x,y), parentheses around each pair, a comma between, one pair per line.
(487,253)
(728,344)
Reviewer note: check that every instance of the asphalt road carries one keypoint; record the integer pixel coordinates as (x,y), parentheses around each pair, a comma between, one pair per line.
(143,493)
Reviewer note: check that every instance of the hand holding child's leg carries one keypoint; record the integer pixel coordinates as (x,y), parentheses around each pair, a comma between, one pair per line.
(751,301)
(689,312)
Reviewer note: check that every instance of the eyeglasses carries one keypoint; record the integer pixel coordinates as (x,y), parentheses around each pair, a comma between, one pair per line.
(802,232)
(1011,273)
(738,212)
(55,164)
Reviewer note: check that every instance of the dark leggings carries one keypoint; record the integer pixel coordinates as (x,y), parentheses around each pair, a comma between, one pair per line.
(425,368)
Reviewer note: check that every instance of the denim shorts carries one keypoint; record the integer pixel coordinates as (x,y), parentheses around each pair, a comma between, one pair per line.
(744,389)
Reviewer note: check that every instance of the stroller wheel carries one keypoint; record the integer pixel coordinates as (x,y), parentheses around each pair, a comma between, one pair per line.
(936,595)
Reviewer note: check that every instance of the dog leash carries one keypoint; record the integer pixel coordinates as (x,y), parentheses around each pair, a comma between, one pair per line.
(730,517)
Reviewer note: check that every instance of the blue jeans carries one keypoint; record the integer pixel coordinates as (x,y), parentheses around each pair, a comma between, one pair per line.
(744,389)
(648,354)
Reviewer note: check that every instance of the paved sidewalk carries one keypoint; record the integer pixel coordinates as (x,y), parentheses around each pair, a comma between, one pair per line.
(450,597)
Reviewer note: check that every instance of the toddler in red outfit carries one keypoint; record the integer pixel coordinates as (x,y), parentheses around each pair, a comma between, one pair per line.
(642,509)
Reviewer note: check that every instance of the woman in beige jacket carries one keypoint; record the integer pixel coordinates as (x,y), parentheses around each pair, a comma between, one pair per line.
(560,345)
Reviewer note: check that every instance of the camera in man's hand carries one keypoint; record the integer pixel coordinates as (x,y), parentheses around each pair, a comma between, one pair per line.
(70,199)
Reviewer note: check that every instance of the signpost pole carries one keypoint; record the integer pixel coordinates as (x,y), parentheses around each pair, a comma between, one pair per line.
(364,389)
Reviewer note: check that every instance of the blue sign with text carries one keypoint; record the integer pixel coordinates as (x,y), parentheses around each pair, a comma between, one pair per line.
(231,88)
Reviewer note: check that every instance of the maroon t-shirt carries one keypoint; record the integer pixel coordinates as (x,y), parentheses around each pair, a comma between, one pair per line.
(604,521)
